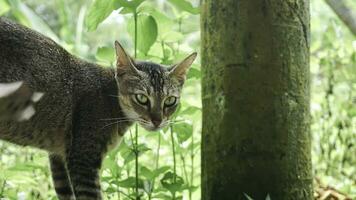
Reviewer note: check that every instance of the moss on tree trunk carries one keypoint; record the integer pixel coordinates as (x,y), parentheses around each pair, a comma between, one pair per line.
(255,65)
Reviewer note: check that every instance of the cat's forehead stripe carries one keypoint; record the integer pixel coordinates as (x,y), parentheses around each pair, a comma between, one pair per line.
(155,75)
(157,80)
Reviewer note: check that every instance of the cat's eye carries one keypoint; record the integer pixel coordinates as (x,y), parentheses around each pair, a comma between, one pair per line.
(170,101)
(141,99)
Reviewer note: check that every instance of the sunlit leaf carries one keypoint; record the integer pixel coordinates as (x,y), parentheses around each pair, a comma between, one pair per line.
(105,54)
(185,5)
(98,12)
(130,182)
(184,131)
(194,73)
(147,32)
(132,4)
(191,110)
(4,7)
(164,22)
(142,148)
(145,172)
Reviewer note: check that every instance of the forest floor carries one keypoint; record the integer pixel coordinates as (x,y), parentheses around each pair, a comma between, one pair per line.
(323,192)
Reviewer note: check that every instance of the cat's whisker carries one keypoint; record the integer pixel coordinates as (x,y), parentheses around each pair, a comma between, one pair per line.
(172,122)
(105,119)
(126,120)
(111,95)
(116,122)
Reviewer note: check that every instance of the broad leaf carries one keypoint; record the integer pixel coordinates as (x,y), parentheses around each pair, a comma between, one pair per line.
(184,131)
(194,73)
(185,5)
(4,7)
(106,54)
(99,11)
(130,182)
(172,182)
(191,110)
(147,31)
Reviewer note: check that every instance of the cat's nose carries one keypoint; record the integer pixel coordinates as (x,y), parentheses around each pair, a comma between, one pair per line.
(156,122)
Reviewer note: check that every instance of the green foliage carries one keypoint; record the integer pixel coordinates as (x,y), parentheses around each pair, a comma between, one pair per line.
(166,32)
(172,182)
(333,101)
(185,6)
(147,31)
(105,54)
(99,11)
(4,7)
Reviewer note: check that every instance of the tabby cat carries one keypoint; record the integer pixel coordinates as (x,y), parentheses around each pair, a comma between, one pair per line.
(84,109)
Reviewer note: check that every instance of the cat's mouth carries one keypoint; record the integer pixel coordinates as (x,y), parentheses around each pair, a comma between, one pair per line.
(149,126)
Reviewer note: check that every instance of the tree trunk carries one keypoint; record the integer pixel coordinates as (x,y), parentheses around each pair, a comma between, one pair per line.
(255,66)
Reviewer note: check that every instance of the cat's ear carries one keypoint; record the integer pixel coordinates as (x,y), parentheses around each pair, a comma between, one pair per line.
(180,70)
(124,62)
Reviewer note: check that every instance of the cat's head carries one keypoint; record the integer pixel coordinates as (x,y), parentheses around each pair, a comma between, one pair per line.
(149,93)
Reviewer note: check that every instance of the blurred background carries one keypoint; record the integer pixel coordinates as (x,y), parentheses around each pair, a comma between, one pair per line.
(169,160)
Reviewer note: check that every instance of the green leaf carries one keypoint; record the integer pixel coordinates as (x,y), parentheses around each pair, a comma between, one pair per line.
(192,188)
(194,73)
(145,172)
(142,148)
(99,11)
(147,32)
(150,175)
(191,110)
(184,131)
(164,22)
(176,113)
(185,5)
(4,7)
(162,196)
(111,190)
(26,167)
(160,170)
(105,54)
(172,36)
(172,182)
(130,182)
(132,4)
(129,154)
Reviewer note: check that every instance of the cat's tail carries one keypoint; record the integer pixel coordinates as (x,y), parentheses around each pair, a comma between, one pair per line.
(17,101)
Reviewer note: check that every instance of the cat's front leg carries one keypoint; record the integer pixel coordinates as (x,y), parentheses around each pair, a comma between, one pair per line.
(60,178)
(83,164)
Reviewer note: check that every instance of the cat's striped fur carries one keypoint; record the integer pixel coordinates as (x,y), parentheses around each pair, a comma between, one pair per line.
(79,117)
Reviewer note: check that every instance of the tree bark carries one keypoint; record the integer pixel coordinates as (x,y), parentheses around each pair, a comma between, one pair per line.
(344,13)
(255,92)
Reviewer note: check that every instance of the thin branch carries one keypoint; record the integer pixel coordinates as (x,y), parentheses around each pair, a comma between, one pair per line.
(344,13)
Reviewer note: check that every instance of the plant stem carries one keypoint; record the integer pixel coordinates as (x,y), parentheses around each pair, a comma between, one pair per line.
(180,30)
(136,161)
(126,195)
(135,19)
(174,160)
(2,189)
(136,126)
(192,169)
(157,164)
(184,168)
